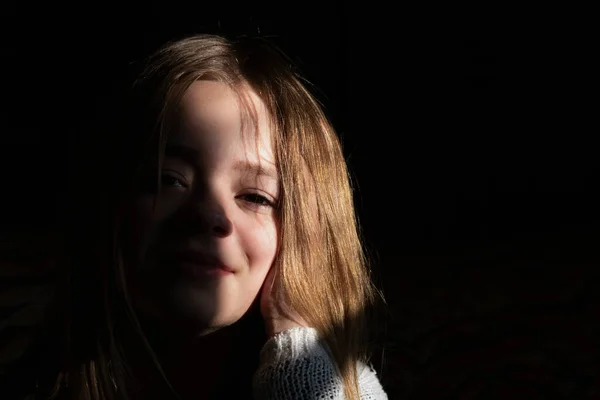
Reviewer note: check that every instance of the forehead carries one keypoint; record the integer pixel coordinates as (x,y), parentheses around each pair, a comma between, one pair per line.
(214,107)
(223,122)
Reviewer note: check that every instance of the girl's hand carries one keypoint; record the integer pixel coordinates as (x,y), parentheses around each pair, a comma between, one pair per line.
(277,314)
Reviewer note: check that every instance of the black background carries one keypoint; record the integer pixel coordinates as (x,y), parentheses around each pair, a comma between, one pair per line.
(471,135)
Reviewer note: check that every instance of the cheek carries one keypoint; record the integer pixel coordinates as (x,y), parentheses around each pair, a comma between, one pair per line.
(259,242)
(141,226)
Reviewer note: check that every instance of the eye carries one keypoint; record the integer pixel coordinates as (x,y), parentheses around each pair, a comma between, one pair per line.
(168,180)
(257,199)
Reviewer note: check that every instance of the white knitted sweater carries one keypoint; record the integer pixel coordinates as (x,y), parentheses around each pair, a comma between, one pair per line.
(295,366)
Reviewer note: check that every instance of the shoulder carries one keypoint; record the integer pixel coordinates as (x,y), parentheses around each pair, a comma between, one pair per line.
(295,363)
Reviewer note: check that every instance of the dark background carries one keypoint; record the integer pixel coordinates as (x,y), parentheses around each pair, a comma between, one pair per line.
(471,137)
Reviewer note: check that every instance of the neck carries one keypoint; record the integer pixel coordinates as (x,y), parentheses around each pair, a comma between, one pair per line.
(195,366)
(198,366)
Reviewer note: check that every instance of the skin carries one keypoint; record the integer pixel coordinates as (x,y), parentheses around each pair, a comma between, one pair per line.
(211,205)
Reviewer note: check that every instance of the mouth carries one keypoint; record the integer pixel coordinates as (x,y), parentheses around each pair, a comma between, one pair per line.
(196,265)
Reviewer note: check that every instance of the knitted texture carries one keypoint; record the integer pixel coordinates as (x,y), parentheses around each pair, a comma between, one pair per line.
(294,365)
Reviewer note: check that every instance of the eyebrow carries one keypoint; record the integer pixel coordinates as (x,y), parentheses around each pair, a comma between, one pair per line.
(191,155)
(256,168)
(185,153)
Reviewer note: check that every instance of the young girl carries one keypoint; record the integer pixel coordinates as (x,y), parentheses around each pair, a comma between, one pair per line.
(227,262)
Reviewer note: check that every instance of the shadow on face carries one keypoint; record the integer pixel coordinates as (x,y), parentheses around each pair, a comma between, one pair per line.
(199,258)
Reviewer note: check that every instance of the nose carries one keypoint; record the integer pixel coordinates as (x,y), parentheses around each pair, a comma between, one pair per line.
(219,224)
(206,217)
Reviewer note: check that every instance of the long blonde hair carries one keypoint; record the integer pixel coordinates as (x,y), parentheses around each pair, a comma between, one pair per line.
(322,265)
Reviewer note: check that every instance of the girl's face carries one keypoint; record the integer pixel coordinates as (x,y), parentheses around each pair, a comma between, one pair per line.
(201,257)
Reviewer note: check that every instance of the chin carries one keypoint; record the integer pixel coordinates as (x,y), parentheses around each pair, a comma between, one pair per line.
(196,310)
(196,318)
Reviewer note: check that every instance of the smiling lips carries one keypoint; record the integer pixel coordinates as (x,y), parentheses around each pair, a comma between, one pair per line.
(197,265)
